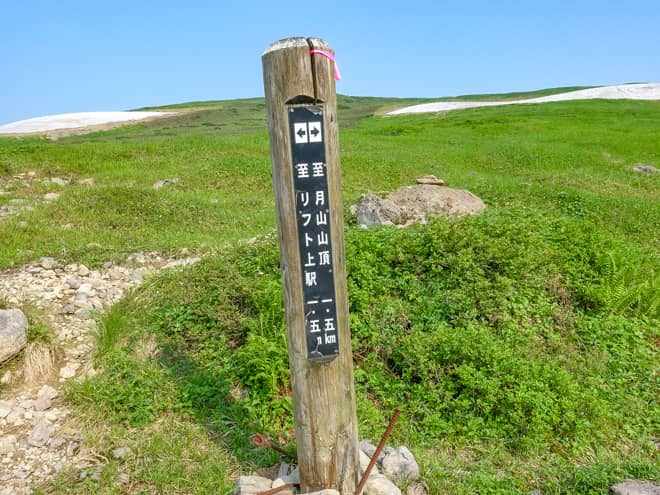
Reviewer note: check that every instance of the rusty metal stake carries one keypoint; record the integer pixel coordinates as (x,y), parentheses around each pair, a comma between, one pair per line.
(278,489)
(259,440)
(379,449)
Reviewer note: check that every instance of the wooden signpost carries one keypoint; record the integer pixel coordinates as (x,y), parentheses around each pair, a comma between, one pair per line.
(302,119)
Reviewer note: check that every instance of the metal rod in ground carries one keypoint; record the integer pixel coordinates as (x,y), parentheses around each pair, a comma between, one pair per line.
(379,449)
(259,440)
(277,490)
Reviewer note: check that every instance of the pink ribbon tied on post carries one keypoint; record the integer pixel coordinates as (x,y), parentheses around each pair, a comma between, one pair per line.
(331,56)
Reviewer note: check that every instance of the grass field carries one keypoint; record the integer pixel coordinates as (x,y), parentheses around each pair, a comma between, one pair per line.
(522,343)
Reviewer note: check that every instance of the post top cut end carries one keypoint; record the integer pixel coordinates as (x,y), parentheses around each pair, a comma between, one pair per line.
(296,42)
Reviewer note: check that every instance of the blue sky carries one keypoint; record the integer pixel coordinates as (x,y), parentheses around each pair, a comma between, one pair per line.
(72,56)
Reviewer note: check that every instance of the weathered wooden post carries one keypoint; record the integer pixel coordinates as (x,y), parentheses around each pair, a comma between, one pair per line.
(302,119)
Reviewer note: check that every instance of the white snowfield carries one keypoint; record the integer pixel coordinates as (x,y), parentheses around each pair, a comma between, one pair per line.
(645,91)
(75,121)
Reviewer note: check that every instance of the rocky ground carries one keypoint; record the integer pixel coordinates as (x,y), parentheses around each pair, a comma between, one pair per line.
(38,433)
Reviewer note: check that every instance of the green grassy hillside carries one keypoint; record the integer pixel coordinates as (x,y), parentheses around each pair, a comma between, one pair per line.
(521,344)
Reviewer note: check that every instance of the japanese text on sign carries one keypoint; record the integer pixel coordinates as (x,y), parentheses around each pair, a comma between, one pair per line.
(310,178)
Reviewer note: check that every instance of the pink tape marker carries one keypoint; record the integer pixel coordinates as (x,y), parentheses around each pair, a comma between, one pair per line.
(331,56)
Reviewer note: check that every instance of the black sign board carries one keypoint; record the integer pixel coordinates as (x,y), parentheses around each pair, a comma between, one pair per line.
(310,178)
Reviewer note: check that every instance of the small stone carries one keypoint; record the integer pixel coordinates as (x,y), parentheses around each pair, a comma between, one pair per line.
(5,409)
(39,435)
(89,182)
(51,196)
(400,465)
(121,452)
(13,333)
(42,403)
(635,487)
(251,485)
(380,485)
(364,461)
(59,181)
(73,282)
(67,226)
(84,314)
(56,443)
(47,391)
(430,180)
(69,309)
(644,169)
(85,288)
(23,224)
(370,449)
(48,263)
(94,245)
(327,491)
(7,444)
(83,271)
(69,371)
(283,470)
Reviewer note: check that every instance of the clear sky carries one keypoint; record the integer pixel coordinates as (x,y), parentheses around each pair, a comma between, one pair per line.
(73,56)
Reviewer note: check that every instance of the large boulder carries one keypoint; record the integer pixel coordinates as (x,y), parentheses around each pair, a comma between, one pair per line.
(411,204)
(13,333)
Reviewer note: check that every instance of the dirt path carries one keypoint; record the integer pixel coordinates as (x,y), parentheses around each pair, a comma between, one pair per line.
(39,434)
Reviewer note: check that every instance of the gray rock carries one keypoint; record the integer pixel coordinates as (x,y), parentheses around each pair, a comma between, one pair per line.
(84,314)
(48,391)
(380,485)
(327,491)
(39,435)
(5,409)
(7,444)
(412,204)
(69,371)
(51,196)
(73,282)
(372,211)
(42,403)
(635,487)
(364,462)
(644,169)
(48,263)
(367,447)
(251,485)
(59,181)
(69,309)
(283,470)
(400,465)
(13,333)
